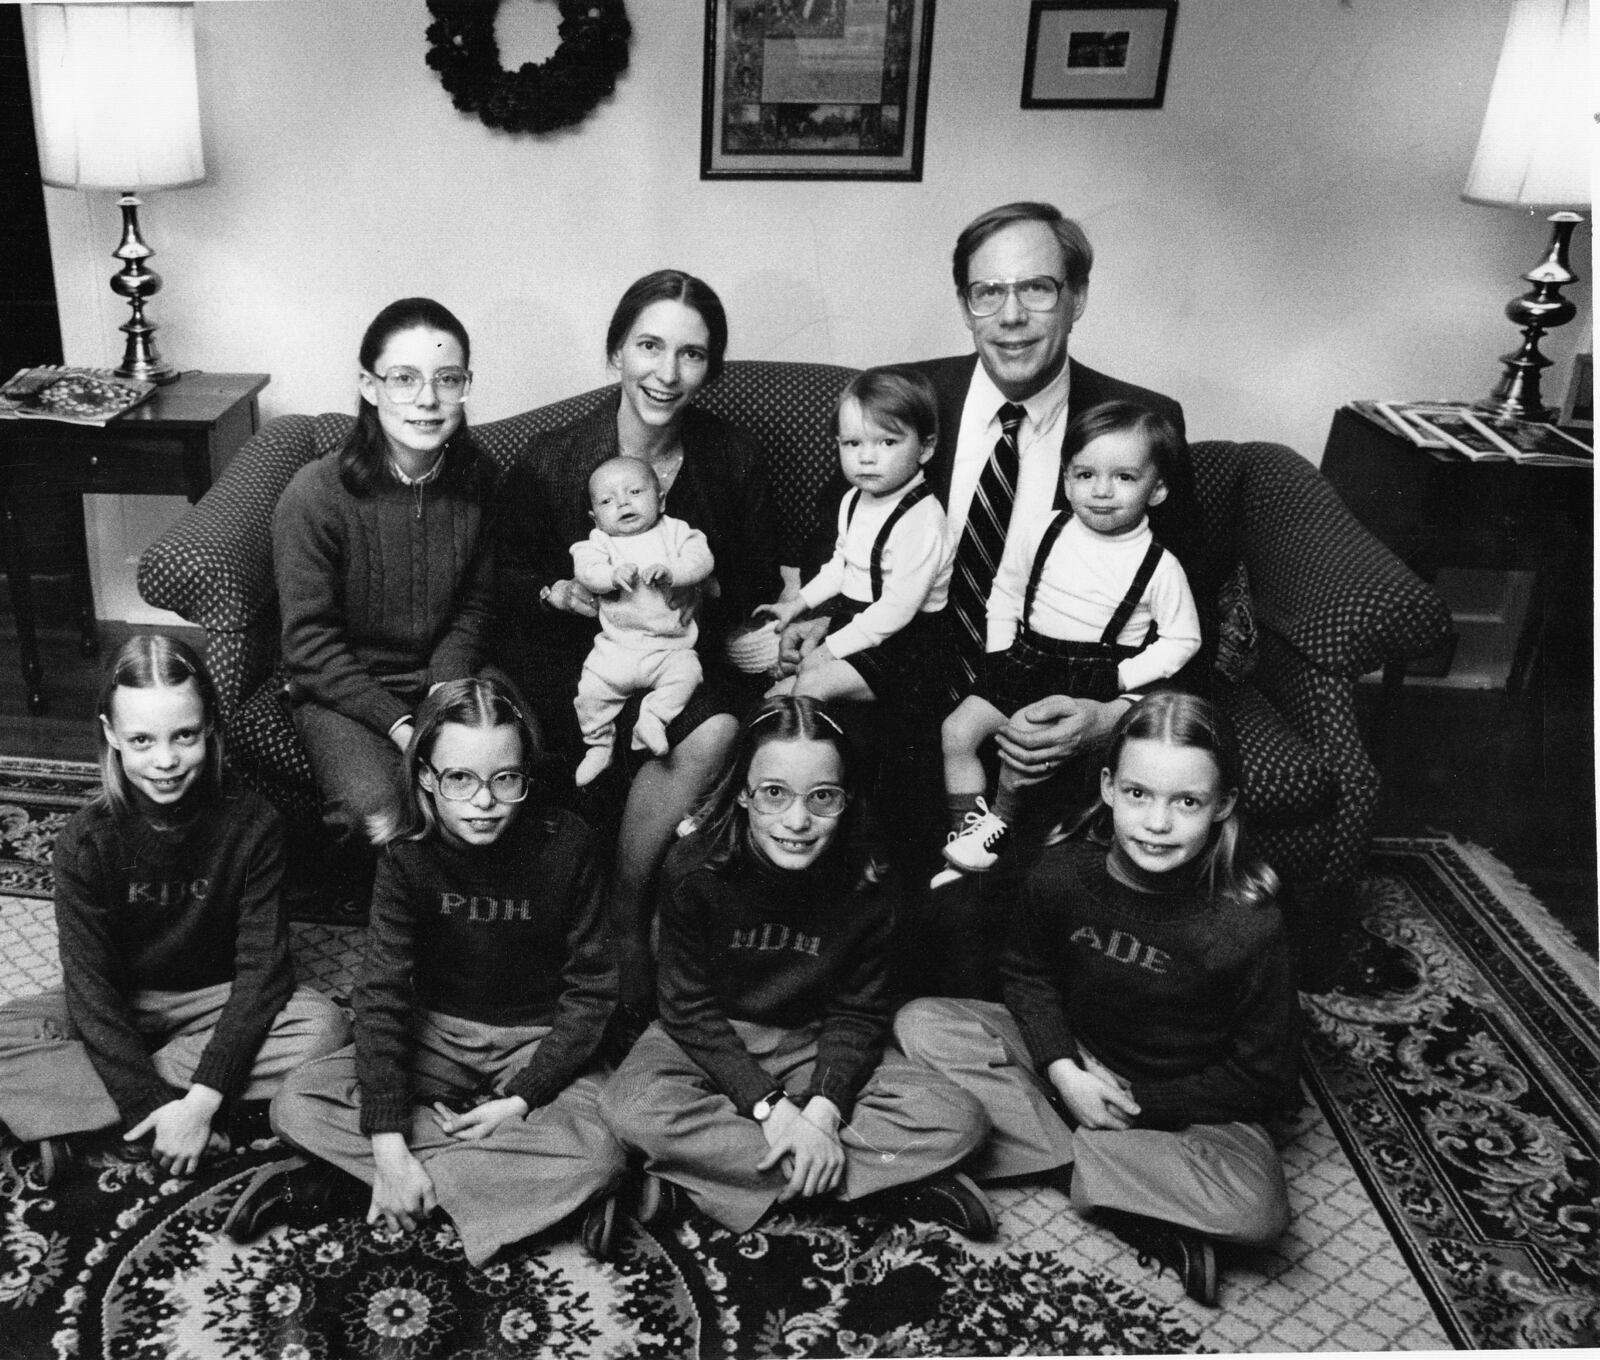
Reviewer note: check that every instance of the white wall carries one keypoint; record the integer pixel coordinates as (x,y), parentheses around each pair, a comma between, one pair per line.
(1284,235)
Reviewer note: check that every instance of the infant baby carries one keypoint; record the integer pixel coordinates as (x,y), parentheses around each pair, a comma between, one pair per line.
(637,561)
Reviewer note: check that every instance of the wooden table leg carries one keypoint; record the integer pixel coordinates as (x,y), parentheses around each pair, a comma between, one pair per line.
(21,583)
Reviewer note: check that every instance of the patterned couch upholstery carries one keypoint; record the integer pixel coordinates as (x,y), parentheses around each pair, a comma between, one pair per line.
(1329,603)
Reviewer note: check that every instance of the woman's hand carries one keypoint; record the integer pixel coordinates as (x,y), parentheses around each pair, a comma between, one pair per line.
(402,1190)
(1094,1098)
(181,1129)
(806,1144)
(481,1120)
(571,597)
(1044,734)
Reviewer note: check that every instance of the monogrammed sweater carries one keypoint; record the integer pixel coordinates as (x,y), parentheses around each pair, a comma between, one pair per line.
(1188,999)
(507,934)
(142,908)
(778,947)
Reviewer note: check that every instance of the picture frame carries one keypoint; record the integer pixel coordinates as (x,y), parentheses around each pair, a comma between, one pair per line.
(1577,408)
(1098,54)
(815,89)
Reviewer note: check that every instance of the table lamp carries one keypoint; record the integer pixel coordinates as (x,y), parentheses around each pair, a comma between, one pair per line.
(117,106)
(1533,154)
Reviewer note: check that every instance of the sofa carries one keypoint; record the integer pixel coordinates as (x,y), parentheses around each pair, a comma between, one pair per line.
(1313,602)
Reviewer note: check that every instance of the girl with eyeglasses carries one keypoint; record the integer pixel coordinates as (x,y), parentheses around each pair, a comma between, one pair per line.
(766,1079)
(382,569)
(472,1085)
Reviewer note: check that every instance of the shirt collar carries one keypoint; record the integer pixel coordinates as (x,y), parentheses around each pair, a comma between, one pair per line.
(1043,407)
(428,476)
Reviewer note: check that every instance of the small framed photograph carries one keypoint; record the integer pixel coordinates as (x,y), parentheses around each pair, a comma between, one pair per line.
(1578,408)
(1088,55)
(1460,430)
(815,89)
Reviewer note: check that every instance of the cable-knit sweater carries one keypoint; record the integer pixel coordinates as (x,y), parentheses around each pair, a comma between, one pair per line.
(174,907)
(381,595)
(1190,1001)
(749,941)
(511,933)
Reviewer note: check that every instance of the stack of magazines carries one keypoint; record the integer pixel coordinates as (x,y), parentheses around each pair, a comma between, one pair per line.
(80,396)
(1454,427)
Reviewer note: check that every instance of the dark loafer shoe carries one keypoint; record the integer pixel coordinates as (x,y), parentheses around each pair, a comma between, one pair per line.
(600,1227)
(954,1201)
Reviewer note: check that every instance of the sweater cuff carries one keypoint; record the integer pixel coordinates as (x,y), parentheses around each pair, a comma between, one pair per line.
(534,1087)
(385,1112)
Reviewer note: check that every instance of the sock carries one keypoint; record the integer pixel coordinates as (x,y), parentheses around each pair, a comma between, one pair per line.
(1007,802)
(958,805)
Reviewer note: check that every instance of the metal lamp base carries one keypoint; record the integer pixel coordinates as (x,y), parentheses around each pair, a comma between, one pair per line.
(136,283)
(1517,394)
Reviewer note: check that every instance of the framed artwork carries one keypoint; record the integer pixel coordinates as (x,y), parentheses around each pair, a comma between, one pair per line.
(1085,54)
(815,89)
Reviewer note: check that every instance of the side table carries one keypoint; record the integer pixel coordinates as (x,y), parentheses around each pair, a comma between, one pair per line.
(1437,510)
(173,444)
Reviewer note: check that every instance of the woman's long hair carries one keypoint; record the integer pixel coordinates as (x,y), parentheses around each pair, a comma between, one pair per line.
(1181,719)
(672,285)
(364,455)
(723,823)
(154,661)
(478,701)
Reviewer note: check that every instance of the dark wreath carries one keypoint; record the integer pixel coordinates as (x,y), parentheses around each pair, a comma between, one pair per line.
(538,96)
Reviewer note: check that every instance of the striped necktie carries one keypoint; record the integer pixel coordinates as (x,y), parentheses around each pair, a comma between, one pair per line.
(982,541)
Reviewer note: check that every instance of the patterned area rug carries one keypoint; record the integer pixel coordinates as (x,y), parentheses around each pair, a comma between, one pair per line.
(1443,1185)
(36,798)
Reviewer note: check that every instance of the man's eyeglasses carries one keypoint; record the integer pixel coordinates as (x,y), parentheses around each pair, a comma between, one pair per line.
(985,297)
(826,800)
(461,786)
(450,385)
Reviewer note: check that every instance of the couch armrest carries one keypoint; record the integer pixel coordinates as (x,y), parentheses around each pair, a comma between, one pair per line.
(1319,579)
(214,567)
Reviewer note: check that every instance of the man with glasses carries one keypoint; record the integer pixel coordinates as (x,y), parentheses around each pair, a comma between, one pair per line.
(1022,282)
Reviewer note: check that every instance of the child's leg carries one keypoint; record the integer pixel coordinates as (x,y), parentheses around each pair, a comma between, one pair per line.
(359,773)
(978,1045)
(310,1026)
(834,679)
(972,723)
(48,1086)
(661,1103)
(674,674)
(1224,1181)
(604,684)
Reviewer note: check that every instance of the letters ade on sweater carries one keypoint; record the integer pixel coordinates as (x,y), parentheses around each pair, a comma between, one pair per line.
(1190,1000)
(776,947)
(178,908)
(509,934)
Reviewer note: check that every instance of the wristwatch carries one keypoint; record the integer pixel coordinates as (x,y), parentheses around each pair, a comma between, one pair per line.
(763,1109)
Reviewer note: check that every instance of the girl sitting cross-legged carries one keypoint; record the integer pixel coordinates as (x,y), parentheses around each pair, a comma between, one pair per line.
(177,997)
(473,1082)
(766,1078)
(1150,1023)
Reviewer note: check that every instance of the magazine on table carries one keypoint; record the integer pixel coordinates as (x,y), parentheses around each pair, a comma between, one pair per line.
(1454,427)
(79,396)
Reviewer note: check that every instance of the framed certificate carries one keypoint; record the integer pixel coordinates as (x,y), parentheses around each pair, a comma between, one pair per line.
(815,89)
(1084,55)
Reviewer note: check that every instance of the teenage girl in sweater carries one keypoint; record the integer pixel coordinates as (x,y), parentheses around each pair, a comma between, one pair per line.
(766,1078)
(487,984)
(1150,1022)
(178,993)
(382,571)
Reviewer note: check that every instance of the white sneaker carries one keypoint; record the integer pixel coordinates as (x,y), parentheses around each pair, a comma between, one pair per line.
(976,847)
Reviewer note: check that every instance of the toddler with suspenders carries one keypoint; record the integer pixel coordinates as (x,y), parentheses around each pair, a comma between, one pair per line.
(1090,606)
(888,577)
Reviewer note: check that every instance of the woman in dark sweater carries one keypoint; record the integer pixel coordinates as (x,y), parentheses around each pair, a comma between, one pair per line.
(472,1084)
(666,341)
(766,1077)
(178,992)
(383,573)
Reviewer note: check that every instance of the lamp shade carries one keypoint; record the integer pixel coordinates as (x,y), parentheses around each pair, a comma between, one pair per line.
(117,102)
(1534,148)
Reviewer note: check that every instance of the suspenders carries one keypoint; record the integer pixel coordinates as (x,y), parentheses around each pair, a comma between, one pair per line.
(910,499)
(1130,601)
